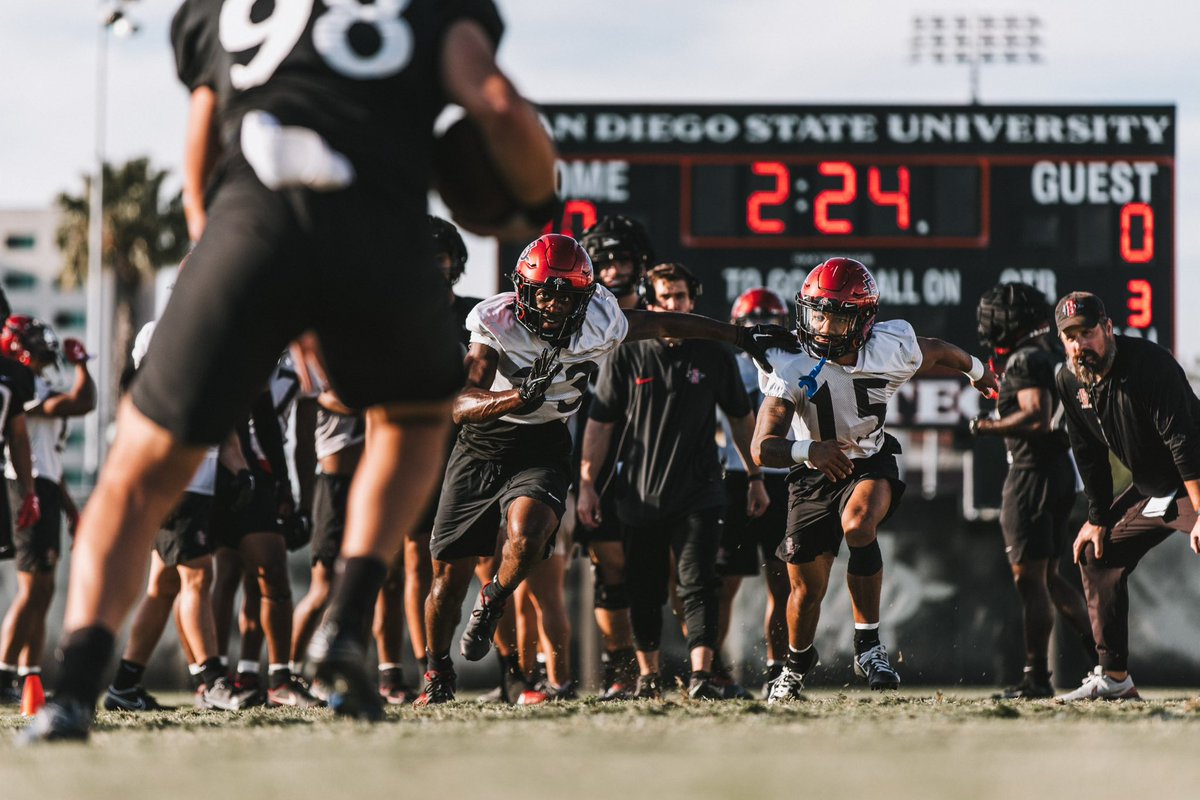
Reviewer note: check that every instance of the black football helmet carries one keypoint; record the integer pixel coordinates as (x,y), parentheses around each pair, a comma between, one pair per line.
(446,239)
(619,238)
(1010,313)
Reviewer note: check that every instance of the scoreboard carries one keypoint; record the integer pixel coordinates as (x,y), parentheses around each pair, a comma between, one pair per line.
(940,202)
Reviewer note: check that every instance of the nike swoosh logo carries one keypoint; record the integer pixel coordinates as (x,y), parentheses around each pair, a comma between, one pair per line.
(641,381)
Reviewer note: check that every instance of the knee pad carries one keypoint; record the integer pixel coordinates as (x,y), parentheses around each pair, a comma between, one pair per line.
(611,598)
(865,561)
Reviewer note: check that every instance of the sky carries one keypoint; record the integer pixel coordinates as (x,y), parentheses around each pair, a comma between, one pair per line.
(672,51)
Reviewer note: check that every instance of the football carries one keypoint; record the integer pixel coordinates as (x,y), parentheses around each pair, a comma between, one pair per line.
(467,179)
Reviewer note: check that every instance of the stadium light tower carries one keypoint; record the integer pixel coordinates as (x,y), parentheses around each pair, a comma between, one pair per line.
(113,17)
(975,41)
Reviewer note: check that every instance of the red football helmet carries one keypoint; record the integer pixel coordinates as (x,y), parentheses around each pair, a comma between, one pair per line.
(26,338)
(557,264)
(759,305)
(836,308)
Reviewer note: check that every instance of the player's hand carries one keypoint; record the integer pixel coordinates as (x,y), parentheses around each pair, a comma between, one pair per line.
(73,351)
(756,340)
(242,490)
(1194,537)
(757,500)
(973,425)
(988,385)
(545,367)
(587,507)
(831,459)
(1095,535)
(285,501)
(31,511)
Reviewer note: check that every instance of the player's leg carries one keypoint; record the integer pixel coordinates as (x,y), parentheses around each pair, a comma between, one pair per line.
(227,577)
(1037,609)
(775,627)
(330,494)
(307,615)
(808,579)
(1071,604)
(611,602)
(388,630)
(418,576)
(126,692)
(198,634)
(443,610)
(868,505)
(647,570)
(250,632)
(553,625)
(695,543)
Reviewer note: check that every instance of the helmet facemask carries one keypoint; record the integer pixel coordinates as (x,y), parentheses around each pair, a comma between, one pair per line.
(533,318)
(832,329)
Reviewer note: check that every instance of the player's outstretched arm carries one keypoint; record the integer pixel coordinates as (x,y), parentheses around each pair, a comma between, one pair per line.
(80,399)
(597,439)
(1032,417)
(937,353)
(756,340)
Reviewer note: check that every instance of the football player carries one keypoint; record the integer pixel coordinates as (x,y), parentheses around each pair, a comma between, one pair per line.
(532,352)
(844,481)
(748,541)
(33,343)
(1039,490)
(621,252)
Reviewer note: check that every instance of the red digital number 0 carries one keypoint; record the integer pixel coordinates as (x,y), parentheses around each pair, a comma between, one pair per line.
(898,198)
(770,197)
(1139,303)
(835,197)
(1145,253)
(585,210)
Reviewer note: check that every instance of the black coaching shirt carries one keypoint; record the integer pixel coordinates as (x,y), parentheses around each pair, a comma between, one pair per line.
(666,396)
(1145,412)
(1033,366)
(365,77)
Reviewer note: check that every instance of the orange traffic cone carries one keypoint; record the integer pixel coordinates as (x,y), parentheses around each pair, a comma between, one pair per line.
(33,697)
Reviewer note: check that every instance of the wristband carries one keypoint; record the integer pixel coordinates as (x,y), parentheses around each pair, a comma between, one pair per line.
(976,371)
(800,449)
(758,476)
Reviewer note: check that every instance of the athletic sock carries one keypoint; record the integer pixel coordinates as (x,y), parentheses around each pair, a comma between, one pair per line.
(1038,671)
(85,655)
(210,670)
(356,585)
(801,660)
(129,674)
(495,592)
(866,636)
(439,662)
(8,675)
(196,675)
(391,676)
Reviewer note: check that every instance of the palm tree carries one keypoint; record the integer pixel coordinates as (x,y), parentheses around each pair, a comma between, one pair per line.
(140,234)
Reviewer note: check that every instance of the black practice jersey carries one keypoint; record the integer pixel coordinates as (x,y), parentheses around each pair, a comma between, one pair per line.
(1033,365)
(362,76)
(16,389)
(1146,412)
(666,397)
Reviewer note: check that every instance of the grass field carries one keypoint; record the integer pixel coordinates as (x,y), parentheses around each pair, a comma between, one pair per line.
(918,744)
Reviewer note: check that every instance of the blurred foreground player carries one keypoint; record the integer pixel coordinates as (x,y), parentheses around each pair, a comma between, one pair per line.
(319,196)
(1129,396)
(844,482)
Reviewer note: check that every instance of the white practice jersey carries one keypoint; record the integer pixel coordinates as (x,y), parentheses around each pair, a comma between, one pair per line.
(846,403)
(493,323)
(336,432)
(47,436)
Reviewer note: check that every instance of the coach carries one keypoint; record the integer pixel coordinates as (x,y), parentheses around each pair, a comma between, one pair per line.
(1130,396)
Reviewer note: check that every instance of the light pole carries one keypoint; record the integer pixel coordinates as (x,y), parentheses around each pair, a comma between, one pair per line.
(112,18)
(976,40)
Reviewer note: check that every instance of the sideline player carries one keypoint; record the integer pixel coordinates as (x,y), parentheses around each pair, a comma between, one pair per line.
(320,194)
(1129,396)
(1039,490)
(531,355)
(748,541)
(621,252)
(31,342)
(844,481)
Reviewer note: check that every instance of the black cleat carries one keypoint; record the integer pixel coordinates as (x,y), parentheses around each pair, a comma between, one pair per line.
(440,686)
(58,721)
(135,699)
(873,665)
(649,687)
(481,627)
(1026,690)
(787,687)
(773,672)
(339,663)
(702,688)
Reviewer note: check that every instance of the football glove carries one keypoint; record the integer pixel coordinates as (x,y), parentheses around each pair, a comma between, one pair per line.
(545,367)
(756,340)
(30,513)
(297,529)
(74,352)
(242,490)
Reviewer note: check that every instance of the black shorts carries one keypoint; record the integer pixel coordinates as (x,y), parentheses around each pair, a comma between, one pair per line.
(8,549)
(187,533)
(260,516)
(39,548)
(815,504)
(477,492)
(330,493)
(610,528)
(354,266)
(1034,508)
(749,543)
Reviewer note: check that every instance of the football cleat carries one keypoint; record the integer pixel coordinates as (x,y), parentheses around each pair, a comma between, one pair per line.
(336,660)
(773,671)
(440,686)
(1027,689)
(1098,686)
(10,695)
(649,687)
(873,665)
(57,721)
(617,691)
(481,627)
(533,697)
(702,688)
(221,695)
(787,687)
(135,699)
(293,693)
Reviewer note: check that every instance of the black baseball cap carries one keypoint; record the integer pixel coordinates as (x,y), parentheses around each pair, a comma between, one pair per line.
(1079,308)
